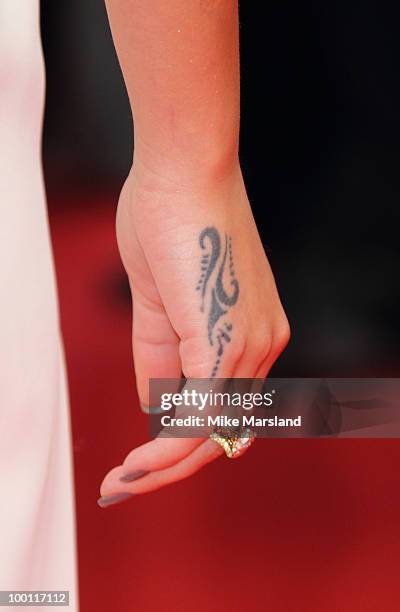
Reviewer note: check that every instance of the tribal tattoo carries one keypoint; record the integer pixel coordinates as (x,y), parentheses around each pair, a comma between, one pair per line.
(214,298)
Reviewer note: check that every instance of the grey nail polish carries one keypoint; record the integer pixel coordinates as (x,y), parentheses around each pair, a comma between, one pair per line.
(108,500)
(151,410)
(131,476)
(156,410)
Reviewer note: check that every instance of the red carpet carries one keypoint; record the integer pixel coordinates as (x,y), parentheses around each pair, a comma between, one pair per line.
(296,525)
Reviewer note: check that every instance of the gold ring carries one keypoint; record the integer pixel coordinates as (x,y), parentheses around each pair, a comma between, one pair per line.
(234,442)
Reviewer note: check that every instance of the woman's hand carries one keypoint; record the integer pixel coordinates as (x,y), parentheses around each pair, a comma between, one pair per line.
(204,300)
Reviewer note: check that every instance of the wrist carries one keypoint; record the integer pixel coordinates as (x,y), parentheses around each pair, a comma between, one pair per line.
(171,187)
(203,164)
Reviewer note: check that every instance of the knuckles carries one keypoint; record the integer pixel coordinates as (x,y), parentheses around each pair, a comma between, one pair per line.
(282,335)
(199,357)
(269,340)
(261,341)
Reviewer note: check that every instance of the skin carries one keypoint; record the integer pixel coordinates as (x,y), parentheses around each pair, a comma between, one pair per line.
(180,61)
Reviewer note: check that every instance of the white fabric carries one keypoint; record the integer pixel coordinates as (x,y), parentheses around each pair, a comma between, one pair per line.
(37,532)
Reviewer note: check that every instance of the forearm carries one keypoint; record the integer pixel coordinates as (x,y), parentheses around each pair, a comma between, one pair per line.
(180,61)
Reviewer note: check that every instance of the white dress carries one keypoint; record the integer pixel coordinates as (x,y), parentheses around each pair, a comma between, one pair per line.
(37,531)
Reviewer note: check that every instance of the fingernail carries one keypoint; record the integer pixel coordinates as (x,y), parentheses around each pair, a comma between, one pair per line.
(156,410)
(151,410)
(108,500)
(133,475)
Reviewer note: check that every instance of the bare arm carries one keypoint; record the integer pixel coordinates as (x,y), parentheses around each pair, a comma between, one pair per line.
(180,60)
(204,297)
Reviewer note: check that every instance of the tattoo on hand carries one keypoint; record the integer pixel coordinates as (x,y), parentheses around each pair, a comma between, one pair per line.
(214,298)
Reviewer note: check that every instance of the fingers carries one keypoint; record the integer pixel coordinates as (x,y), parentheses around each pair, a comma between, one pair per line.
(158,355)
(203,454)
(155,345)
(160,453)
(155,455)
(113,489)
(248,354)
(262,350)
(167,460)
(201,360)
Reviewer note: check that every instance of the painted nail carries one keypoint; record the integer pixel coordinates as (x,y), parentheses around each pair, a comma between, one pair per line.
(156,410)
(133,475)
(153,410)
(108,500)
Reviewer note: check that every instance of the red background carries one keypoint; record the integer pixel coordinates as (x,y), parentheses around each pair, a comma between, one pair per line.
(294,525)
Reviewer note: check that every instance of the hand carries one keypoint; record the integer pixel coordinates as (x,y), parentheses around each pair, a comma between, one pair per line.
(181,242)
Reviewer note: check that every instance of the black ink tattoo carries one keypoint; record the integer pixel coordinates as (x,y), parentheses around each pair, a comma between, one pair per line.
(220,300)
